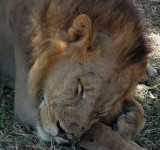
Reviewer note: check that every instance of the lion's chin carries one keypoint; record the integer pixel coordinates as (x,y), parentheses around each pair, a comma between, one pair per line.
(49,138)
(43,135)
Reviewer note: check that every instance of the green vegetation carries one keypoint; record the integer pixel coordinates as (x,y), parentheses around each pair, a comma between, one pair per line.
(149,137)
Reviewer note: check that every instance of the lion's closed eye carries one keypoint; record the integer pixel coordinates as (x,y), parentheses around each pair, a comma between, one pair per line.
(79,90)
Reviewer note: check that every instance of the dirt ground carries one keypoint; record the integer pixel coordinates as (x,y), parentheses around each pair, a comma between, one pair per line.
(16,137)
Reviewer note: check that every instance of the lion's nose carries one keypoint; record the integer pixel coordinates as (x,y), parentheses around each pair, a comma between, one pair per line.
(63,134)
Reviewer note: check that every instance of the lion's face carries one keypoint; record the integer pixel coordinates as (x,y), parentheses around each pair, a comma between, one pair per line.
(77,94)
(80,86)
(71,94)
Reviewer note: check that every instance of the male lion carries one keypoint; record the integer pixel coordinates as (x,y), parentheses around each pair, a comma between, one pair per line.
(82,66)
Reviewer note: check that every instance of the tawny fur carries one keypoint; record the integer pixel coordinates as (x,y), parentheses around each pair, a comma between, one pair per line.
(102,137)
(62,31)
(95,47)
(117,18)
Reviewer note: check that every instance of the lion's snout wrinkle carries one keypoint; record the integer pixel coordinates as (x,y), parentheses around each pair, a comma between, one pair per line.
(73,124)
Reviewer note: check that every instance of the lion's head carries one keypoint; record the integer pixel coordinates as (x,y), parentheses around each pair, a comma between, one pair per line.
(79,75)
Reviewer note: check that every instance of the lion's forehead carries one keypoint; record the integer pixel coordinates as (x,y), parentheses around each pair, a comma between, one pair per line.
(70,68)
(101,81)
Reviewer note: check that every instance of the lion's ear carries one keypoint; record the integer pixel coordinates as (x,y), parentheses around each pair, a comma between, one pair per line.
(81,30)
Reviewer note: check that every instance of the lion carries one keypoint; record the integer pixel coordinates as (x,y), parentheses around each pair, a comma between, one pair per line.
(77,62)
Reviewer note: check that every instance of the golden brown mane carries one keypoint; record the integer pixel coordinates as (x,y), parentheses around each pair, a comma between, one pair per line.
(125,28)
(51,22)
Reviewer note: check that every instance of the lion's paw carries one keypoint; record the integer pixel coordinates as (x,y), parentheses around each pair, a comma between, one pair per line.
(126,125)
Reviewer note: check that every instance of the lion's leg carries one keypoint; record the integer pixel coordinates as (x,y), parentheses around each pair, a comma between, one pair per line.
(101,137)
(7,65)
(126,118)
(24,109)
(132,120)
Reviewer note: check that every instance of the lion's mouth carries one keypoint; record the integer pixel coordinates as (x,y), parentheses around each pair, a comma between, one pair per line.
(64,135)
(60,138)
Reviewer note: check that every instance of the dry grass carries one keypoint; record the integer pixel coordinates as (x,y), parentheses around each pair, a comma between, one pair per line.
(16,137)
